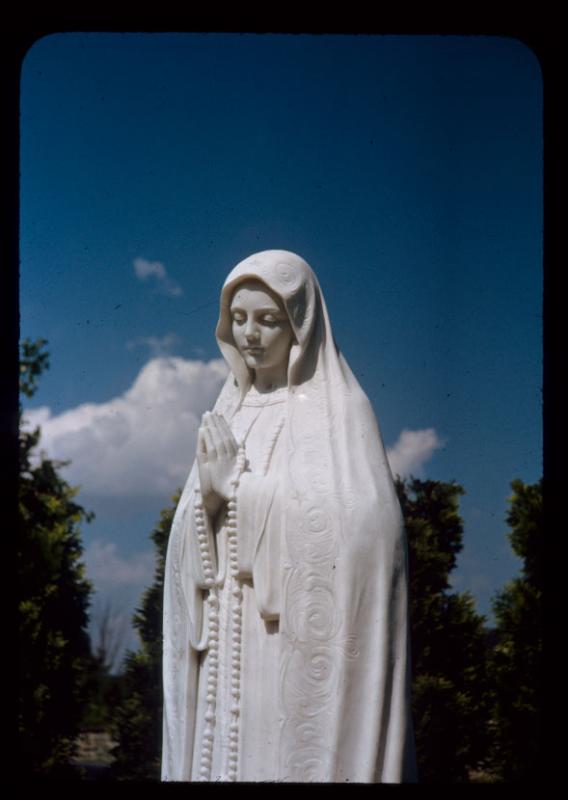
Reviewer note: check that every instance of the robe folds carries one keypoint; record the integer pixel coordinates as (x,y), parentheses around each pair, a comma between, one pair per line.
(321,650)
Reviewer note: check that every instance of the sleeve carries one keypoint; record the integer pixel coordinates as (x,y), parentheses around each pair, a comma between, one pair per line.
(194,562)
(258,537)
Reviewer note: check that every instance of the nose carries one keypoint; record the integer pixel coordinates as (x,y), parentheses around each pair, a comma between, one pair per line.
(251,331)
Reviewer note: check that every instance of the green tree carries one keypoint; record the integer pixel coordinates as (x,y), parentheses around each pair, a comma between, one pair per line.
(53,600)
(448,639)
(516,662)
(138,718)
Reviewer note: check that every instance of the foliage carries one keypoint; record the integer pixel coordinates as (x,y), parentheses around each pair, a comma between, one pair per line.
(138,718)
(53,600)
(449,686)
(516,662)
(33,361)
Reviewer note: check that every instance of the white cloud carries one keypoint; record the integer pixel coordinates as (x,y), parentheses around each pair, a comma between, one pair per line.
(119,582)
(158,345)
(412,450)
(110,569)
(35,416)
(144,270)
(142,442)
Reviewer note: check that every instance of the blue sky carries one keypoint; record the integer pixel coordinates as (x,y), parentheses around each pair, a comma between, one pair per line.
(406,170)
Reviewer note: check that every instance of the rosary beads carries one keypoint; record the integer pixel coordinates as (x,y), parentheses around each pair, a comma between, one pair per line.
(213,607)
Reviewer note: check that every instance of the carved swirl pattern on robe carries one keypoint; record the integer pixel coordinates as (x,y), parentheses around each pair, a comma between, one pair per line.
(286,277)
(307,764)
(309,681)
(310,536)
(311,609)
(313,648)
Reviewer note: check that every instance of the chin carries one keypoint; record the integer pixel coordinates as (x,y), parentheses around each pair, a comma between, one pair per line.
(252,360)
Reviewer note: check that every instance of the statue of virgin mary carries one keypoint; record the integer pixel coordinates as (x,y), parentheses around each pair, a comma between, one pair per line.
(286,653)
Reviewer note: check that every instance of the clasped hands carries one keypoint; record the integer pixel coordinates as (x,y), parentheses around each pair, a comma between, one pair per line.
(216,460)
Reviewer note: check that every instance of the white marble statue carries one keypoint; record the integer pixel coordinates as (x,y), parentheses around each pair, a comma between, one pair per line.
(285,608)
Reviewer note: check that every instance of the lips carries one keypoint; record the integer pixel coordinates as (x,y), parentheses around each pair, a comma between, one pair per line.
(253,350)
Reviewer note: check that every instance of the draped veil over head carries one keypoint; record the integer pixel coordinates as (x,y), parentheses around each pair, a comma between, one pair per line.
(330,564)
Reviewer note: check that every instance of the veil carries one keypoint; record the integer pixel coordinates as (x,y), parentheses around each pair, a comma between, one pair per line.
(344,680)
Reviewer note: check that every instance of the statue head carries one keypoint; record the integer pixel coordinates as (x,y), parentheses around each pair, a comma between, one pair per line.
(285,281)
(262,332)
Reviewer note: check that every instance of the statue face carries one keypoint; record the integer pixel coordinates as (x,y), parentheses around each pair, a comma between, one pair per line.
(261,328)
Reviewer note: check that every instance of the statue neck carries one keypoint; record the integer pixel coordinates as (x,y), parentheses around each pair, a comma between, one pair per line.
(266,381)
